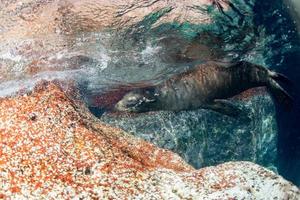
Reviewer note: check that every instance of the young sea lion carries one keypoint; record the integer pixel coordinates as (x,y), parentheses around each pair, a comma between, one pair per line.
(206,86)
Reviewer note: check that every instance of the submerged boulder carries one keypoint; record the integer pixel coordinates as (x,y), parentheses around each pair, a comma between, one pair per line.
(204,138)
(52,147)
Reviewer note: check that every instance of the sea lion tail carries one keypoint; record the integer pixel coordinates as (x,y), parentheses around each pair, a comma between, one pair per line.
(280,77)
(278,92)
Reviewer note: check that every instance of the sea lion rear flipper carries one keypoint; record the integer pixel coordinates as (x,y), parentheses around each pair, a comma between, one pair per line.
(280,77)
(280,94)
(225,107)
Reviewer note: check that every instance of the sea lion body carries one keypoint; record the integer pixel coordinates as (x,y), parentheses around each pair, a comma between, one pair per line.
(200,86)
(205,86)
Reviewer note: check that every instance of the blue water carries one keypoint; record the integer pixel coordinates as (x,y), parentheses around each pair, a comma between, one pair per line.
(266,35)
(286,61)
(261,32)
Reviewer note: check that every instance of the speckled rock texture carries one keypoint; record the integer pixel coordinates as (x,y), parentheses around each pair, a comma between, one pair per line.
(51,147)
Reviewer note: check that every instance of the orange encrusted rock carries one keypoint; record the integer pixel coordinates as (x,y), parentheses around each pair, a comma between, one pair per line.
(52,147)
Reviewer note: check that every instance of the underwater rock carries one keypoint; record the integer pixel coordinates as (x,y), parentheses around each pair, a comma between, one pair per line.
(52,147)
(205,138)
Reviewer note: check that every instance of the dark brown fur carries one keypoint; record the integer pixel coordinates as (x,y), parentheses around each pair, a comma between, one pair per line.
(206,86)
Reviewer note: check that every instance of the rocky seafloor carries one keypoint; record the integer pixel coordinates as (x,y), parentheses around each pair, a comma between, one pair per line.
(52,147)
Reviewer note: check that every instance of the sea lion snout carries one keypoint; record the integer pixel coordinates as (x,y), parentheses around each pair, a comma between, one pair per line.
(135,101)
(130,102)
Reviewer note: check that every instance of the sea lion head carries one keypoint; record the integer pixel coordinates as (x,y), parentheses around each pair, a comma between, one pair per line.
(138,101)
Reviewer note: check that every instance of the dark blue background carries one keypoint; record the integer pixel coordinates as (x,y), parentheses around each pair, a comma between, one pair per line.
(274,15)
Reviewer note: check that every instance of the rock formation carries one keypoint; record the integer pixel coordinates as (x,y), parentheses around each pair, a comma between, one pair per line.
(52,147)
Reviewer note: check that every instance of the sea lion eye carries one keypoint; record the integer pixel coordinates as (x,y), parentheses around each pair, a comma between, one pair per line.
(131,103)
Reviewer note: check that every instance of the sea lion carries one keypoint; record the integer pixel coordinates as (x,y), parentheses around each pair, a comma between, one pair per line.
(206,86)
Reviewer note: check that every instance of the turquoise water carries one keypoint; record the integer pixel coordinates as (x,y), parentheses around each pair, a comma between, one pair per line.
(202,137)
(99,63)
(265,35)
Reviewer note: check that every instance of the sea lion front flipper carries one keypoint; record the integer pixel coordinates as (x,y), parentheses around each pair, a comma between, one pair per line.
(225,107)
